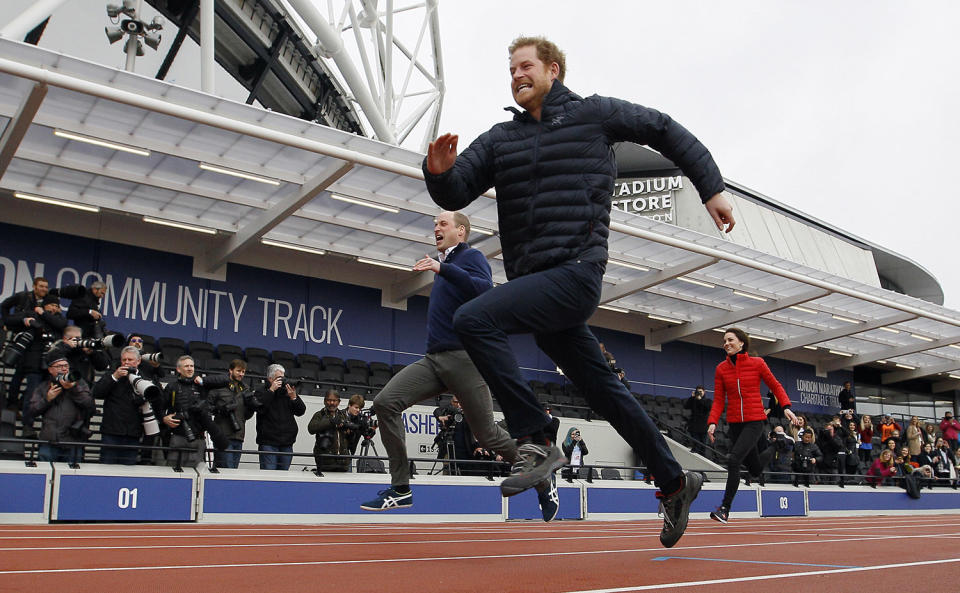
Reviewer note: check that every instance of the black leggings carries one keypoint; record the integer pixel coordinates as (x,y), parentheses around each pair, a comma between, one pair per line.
(745,436)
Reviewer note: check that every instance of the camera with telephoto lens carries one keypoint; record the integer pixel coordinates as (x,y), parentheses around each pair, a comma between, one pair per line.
(152,357)
(144,390)
(199,413)
(15,347)
(71,377)
(368,424)
(229,410)
(291,382)
(112,341)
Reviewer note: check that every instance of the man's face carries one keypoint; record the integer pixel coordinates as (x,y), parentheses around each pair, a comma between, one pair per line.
(331,403)
(237,373)
(129,359)
(353,409)
(185,368)
(60,368)
(446,231)
(455,403)
(41,289)
(808,437)
(71,334)
(99,292)
(137,342)
(530,78)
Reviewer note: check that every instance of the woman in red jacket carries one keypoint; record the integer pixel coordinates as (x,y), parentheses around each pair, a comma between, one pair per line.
(737,385)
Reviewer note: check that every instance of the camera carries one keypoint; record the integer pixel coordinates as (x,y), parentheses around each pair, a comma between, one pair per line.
(368,424)
(16,346)
(229,410)
(142,391)
(199,413)
(112,341)
(290,382)
(71,377)
(153,357)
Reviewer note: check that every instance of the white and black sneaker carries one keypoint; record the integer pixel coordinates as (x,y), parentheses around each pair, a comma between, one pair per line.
(549,498)
(536,464)
(389,499)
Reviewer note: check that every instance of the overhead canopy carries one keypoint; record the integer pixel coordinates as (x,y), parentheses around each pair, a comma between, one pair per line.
(663,281)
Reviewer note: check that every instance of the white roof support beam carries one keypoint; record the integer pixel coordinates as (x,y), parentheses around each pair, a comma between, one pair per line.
(27,20)
(669,334)
(19,124)
(899,376)
(400,291)
(268,219)
(612,293)
(830,334)
(887,353)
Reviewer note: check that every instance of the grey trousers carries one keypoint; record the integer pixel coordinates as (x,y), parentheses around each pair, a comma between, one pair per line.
(433,375)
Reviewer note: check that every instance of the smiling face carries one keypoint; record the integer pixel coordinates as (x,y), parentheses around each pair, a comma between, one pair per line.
(731,343)
(446,231)
(530,78)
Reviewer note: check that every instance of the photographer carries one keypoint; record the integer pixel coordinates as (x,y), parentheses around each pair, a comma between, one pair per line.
(328,425)
(782,446)
(357,425)
(233,405)
(36,329)
(276,425)
(834,454)
(575,448)
(453,434)
(149,363)
(187,413)
(807,459)
(699,407)
(83,359)
(65,403)
(124,416)
(84,308)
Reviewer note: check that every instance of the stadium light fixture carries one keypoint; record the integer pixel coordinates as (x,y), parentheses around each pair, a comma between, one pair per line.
(696,282)
(56,202)
(613,308)
(293,247)
(237,173)
(180,225)
(384,264)
(359,202)
(99,142)
(667,319)
(625,264)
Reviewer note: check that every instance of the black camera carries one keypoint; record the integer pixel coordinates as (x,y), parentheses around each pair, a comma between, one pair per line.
(291,382)
(198,412)
(184,417)
(368,424)
(229,410)
(111,341)
(15,347)
(71,377)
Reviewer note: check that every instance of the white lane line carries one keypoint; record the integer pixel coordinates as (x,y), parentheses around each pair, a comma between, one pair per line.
(818,541)
(766,577)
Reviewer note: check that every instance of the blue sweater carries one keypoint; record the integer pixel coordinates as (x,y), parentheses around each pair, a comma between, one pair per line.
(464,275)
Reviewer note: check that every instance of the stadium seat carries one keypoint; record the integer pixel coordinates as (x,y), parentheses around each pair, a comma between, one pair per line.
(171,342)
(334,375)
(287,359)
(380,367)
(229,351)
(309,361)
(396,368)
(356,363)
(257,353)
(609,473)
(200,349)
(332,361)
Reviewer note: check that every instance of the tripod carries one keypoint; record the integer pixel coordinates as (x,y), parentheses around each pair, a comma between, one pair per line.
(365,465)
(446,450)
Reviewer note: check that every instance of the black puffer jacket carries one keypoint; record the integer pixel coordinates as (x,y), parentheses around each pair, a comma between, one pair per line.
(554,177)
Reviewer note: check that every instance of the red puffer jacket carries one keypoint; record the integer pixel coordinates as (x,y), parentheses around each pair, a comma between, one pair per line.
(739,384)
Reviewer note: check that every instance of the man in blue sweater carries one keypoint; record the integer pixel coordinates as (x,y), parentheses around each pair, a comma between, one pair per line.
(462,273)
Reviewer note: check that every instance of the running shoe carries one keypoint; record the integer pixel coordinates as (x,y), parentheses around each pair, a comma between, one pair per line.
(675,508)
(722,514)
(536,463)
(549,498)
(389,499)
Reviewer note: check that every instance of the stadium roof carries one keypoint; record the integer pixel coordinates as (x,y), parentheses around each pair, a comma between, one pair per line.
(173,154)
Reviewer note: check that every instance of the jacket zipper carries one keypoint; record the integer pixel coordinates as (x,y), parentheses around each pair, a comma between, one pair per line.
(742,419)
(536,178)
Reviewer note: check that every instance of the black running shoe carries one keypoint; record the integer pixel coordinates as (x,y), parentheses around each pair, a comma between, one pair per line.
(676,508)
(722,514)
(549,498)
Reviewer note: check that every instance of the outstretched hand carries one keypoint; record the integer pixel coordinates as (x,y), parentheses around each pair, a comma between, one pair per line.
(442,153)
(721,211)
(427,263)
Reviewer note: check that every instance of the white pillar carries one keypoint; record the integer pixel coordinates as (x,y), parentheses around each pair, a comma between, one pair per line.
(207,63)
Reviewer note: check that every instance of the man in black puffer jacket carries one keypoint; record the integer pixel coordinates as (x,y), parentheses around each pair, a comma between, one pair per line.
(553,168)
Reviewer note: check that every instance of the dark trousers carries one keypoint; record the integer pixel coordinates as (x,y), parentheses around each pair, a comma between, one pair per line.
(116,455)
(744,436)
(699,442)
(554,306)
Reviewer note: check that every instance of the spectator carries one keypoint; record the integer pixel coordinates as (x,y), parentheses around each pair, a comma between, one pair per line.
(883,467)
(699,407)
(914,437)
(807,458)
(42,326)
(85,310)
(846,398)
(149,369)
(233,405)
(62,400)
(930,433)
(782,445)
(945,468)
(276,422)
(866,440)
(122,423)
(834,455)
(893,441)
(887,426)
(851,444)
(188,415)
(328,426)
(950,428)
(797,430)
(575,449)
(929,457)
(553,428)
(356,425)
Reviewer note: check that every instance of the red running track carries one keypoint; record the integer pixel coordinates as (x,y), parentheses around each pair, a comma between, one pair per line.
(826,555)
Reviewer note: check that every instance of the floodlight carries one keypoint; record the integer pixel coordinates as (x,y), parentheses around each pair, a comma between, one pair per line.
(114,33)
(113,11)
(156,23)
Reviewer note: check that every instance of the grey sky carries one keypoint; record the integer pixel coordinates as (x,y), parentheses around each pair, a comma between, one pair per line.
(843,110)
